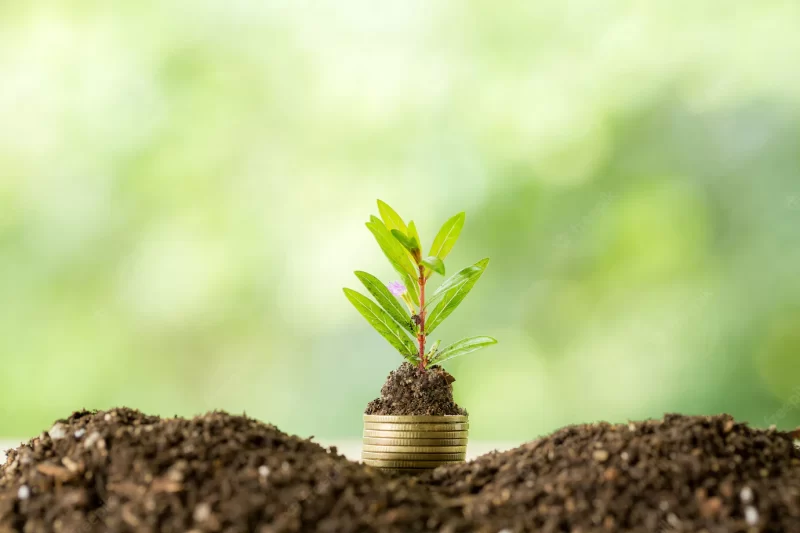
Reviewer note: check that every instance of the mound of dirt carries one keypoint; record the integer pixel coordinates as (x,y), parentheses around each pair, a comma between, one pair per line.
(122,471)
(408,391)
(698,474)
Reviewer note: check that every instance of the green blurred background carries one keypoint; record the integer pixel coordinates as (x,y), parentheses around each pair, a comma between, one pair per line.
(183,187)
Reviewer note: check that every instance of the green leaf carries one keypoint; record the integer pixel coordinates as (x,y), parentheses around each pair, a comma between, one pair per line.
(447,236)
(457,279)
(408,243)
(397,256)
(412,232)
(434,263)
(431,355)
(391,218)
(386,300)
(462,347)
(382,322)
(391,247)
(452,297)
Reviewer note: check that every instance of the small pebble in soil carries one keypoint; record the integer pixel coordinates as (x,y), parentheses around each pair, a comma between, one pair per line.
(91,440)
(58,431)
(673,520)
(751,515)
(600,456)
(23,493)
(201,512)
(71,465)
(80,433)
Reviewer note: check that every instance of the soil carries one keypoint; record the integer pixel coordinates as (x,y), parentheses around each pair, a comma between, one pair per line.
(122,471)
(408,391)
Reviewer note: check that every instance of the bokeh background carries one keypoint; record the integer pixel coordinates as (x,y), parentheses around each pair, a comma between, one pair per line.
(183,187)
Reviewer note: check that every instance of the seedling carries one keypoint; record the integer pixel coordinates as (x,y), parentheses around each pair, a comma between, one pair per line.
(407,327)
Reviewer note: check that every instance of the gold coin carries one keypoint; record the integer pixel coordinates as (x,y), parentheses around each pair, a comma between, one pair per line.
(416,434)
(414,456)
(416,427)
(372,441)
(410,471)
(407,464)
(414,419)
(414,449)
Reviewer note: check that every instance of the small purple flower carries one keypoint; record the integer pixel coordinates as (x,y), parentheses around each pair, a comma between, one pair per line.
(397,288)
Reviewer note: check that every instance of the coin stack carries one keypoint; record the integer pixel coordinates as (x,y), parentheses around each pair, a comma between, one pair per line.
(413,444)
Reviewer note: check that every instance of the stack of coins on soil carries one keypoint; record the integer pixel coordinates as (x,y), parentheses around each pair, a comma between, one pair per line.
(413,444)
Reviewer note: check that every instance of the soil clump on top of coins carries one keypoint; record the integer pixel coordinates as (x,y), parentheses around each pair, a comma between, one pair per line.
(409,391)
(123,471)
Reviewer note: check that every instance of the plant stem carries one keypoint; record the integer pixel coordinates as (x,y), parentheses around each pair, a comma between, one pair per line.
(421,336)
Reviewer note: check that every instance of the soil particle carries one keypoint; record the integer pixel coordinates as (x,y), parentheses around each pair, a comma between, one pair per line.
(408,391)
(224,473)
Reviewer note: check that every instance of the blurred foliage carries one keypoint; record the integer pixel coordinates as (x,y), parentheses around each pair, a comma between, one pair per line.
(182,186)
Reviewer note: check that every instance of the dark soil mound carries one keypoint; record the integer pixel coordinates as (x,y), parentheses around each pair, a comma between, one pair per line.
(673,475)
(408,391)
(121,471)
